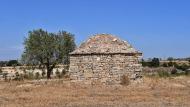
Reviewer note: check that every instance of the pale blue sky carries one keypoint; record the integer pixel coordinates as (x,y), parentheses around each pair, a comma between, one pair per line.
(158,28)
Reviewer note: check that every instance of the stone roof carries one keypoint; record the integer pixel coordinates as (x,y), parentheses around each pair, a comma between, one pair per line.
(105,44)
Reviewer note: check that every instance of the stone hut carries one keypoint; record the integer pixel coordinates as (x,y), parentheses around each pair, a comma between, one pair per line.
(105,59)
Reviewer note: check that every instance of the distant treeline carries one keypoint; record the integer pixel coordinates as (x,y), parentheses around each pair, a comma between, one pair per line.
(170,62)
(10,63)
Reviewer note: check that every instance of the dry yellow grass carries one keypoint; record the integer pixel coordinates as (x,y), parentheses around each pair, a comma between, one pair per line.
(151,92)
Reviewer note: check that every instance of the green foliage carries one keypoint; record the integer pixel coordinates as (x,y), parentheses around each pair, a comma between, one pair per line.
(187,72)
(68,45)
(37,75)
(170,64)
(1,70)
(155,62)
(47,49)
(170,59)
(163,74)
(58,74)
(43,73)
(18,77)
(5,76)
(63,72)
(183,67)
(174,71)
(3,63)
(143,63)
(29,75)
(13,63)
(165,65)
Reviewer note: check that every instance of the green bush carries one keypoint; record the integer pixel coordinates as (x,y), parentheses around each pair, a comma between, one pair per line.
(170,64)
(25,75)
(163,74)
(18,77)
(43,73)
(165,65)
(5,76)
(58,74)
(37,75)
(63,72)
(187,72)
(183,67)
(174,71)
(29,75)
(1,70)
(155,62)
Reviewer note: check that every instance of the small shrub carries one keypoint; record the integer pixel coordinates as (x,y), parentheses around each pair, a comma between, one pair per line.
(28,75)
(163,74)
(165,65)
(174,71)
(182,67)
(22,77)
(1,71)
(187,72)
(43,73)
(18,77)
(25,75)
(170,64)
(66,67)
(58,74)
(125,80)
(63,72)
(5,76)
(37,75)
(28,68)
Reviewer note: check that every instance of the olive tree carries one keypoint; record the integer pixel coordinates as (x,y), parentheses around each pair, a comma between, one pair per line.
(47,49)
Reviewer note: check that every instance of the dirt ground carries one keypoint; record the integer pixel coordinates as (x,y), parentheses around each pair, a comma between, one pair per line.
(150,92)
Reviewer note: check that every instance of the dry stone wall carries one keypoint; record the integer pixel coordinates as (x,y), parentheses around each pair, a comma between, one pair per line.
(105,68)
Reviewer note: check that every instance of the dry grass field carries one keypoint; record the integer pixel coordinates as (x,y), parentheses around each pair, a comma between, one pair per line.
(151,92)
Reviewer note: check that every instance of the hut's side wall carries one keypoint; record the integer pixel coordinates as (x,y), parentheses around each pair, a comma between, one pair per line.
(103,68)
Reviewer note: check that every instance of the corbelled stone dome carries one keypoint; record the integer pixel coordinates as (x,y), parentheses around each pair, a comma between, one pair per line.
(105,44)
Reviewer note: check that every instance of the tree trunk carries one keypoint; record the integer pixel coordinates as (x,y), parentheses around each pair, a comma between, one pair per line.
(49,73)
(49,69)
